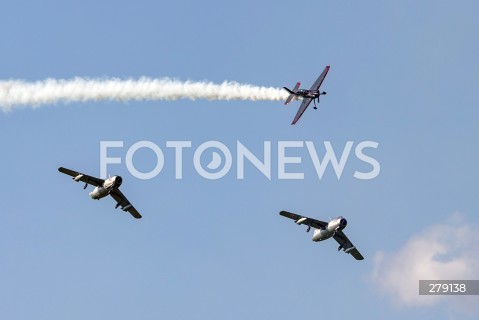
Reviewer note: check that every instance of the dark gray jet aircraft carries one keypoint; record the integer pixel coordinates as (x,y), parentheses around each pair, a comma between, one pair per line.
(103,188)
(307,95)
(324,230)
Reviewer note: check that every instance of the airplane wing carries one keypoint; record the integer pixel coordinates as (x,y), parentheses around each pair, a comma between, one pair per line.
(77,176)
(124,203)
(347,245)
(302,108)
(320,80)
(308,221)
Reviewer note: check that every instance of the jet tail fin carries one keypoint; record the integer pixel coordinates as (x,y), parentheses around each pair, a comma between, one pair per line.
(292,93)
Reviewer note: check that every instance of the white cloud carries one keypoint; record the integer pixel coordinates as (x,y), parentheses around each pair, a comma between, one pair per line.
(446,251)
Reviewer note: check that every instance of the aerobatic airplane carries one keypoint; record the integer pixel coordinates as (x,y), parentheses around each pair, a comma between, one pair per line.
(103,188)
(324,230)
(307,95)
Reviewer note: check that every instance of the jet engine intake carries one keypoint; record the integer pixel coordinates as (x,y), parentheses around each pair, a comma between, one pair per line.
(118,181)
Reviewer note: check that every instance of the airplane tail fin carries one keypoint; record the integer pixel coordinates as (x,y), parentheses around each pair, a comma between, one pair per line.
(292,93)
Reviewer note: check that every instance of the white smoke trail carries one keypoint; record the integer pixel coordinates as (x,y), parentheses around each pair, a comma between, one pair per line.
(18,93)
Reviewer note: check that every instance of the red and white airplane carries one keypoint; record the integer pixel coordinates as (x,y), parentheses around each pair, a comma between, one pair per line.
(307,95)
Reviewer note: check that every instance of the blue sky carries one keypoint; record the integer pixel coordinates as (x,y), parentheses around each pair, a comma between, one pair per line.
(402,74)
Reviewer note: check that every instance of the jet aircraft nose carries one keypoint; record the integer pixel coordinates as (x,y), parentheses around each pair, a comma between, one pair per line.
(118,181)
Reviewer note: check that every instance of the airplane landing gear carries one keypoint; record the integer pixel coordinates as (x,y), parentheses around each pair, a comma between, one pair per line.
(309,228)
(314,100)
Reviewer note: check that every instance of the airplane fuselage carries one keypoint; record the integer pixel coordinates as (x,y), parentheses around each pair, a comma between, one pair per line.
(330,230)
(105,189)
(313,94)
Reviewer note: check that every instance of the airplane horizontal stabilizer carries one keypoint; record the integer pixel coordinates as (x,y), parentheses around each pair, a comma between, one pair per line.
(292,93)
